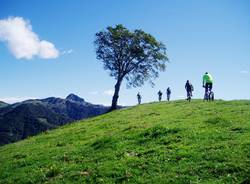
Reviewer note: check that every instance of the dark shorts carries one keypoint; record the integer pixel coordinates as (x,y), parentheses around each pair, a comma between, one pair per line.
(208,86)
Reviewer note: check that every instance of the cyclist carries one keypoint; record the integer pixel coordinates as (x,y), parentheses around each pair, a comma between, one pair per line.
(168,93)
(207,82)
(139,98)
(189,88)
(160,95)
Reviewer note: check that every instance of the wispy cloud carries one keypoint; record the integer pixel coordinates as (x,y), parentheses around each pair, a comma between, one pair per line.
(66,52)
(108,92)
(22,42)
(106,103)
(15,99)
(244,72)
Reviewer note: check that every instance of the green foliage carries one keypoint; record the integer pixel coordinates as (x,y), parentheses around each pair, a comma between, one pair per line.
(176,142)
(135,55)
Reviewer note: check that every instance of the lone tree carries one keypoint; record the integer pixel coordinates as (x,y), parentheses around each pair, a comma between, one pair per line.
(132,55)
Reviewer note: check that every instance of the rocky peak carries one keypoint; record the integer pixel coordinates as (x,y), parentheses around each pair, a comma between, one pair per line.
(74,98)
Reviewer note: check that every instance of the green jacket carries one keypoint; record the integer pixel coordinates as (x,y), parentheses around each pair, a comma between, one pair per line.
(207,78)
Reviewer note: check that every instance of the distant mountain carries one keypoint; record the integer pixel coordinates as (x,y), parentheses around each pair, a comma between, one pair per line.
(20,120)
(75,98)
(3,104)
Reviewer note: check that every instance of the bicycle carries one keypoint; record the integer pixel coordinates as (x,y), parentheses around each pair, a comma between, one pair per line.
(189,96)
(168,97)
(209,95)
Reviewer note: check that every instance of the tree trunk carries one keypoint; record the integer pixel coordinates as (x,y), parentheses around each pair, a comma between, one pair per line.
(116,95)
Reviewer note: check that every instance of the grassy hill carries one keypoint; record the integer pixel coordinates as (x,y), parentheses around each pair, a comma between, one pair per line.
(177,142)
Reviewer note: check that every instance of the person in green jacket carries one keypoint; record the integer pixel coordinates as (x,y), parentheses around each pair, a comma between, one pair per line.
(207,82)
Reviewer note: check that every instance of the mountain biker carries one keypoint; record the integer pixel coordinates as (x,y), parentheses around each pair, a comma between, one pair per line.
(160,95)
(189,88)
(168,93)
(139,98)
(207,82)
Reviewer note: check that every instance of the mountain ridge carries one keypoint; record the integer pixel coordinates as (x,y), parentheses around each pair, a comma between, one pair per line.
(30,117)
(3,104)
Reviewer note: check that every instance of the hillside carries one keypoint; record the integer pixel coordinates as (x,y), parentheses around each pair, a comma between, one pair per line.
(176,142)
(3,104)
(20,120)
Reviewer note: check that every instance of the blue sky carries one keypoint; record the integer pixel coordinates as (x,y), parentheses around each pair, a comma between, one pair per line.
(200,35)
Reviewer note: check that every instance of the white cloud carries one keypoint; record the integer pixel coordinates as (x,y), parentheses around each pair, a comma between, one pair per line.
(106,103)
(108,92)
(66,52)
(47,50)
(244,72)
(15,99)
(23,42)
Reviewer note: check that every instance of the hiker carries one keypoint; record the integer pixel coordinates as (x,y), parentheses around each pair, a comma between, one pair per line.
(168,93)
(189,88)
(207,82)
(160,95)
(139,98)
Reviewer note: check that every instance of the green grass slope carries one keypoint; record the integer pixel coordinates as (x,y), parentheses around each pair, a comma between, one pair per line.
(177,142)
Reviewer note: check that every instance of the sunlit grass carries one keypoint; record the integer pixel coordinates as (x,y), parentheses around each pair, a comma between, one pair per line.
(176,142)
